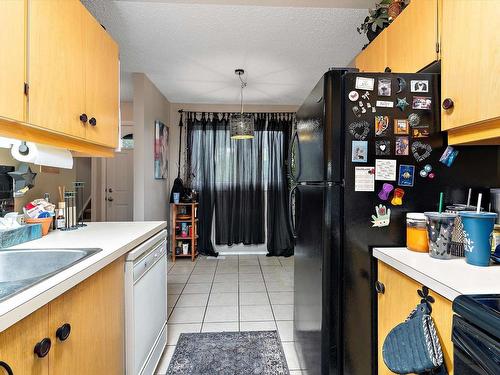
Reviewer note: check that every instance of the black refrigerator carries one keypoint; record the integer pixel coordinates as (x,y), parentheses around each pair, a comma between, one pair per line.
(351,123)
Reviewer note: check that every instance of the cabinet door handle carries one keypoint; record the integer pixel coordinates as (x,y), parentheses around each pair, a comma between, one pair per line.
(42,348)
(379,287)
(93,121)
(6,367)
(387,69)
(448,103)
(62,333)
(83,118)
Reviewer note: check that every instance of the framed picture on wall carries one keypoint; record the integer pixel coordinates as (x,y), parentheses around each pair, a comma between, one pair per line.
(161,151)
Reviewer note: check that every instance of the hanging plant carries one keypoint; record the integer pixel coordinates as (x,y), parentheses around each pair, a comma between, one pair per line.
(380,17)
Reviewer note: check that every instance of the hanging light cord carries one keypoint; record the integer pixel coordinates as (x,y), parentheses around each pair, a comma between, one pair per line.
(243,85)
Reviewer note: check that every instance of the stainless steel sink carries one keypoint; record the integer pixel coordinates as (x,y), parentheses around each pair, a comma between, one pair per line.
(23,268)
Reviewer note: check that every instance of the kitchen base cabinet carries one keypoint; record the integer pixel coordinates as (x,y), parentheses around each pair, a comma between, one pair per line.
(398,299)
(94,310)
(85,326)
(17,345)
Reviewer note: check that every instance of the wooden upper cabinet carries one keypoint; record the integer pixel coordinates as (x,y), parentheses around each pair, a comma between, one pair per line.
(101,83)
(12,59)
(56,66)
(373,58)
(470,67)
(413,36)
(95,311)
(395,304)
(17,344)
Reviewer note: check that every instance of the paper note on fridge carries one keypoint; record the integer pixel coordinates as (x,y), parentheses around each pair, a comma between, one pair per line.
(364,179)
(385,169)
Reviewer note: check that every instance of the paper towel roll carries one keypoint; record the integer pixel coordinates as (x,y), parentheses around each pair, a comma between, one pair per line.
(43,155)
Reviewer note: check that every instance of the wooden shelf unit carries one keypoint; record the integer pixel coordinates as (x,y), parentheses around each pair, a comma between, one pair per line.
(191,209)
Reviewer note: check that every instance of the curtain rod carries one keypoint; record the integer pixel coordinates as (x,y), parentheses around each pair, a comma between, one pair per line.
(237,112)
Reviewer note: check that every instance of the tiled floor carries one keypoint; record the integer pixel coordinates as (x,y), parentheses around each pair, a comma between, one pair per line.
(238,293)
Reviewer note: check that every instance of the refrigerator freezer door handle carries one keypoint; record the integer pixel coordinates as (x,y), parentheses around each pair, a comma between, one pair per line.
(294,145)
(290,213)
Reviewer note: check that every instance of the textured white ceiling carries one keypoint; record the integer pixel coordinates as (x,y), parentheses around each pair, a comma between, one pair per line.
(190,51)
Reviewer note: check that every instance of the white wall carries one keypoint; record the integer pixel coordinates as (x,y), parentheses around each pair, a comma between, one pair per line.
(150,196)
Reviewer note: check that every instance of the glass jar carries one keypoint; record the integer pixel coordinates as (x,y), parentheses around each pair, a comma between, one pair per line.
(416,232)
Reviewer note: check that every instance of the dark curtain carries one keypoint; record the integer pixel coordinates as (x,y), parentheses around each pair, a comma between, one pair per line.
(233,178)
(279,238)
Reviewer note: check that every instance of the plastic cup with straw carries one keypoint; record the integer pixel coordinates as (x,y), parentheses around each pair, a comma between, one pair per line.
(440,228)
(477,232)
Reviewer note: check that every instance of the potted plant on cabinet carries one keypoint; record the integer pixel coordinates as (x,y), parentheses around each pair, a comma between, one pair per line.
(380,17)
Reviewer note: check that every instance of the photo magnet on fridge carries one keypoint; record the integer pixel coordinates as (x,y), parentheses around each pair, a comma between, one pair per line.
(383,147)
(402,146)
(420,132)
(384,87)
(406,175)
(359,151)
(419,86)
(381,125)
(401,126)
(421,102)
(365,83)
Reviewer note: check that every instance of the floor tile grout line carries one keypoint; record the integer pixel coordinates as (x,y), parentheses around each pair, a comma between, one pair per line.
(180,294)
(209,294)
(268,297)
(238,297)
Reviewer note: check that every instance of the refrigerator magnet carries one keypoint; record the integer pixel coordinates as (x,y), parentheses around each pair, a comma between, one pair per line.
(382,217)
(366,95)
(365,83)
(384,87)
(383,194)
(385,169)
(420,150)
(381,125)
(401,126)
(406,175)
(414,119)
(420,131)
(397,197)
(419,85)
(383,147)
(359,151)
(402,146)
(364,179)
(421,102)
(385,104)
(401,85)
(402,104)
(356,111)
(359,130)
(449,156)
(353,96)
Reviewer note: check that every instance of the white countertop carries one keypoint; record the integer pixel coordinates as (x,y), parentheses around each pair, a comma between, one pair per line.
(449,278)
(115,239)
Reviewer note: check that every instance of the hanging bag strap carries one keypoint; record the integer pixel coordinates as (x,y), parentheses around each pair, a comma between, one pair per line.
(180,144)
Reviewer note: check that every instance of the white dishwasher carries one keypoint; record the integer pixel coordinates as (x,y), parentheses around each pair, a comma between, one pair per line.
(146,305)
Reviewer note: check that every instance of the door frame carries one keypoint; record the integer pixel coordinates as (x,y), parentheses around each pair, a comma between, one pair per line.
(99,181)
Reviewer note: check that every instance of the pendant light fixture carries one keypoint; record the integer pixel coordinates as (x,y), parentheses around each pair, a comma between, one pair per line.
(241,123)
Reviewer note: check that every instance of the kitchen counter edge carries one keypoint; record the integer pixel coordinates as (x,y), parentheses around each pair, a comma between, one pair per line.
(25,303)
(449,278)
